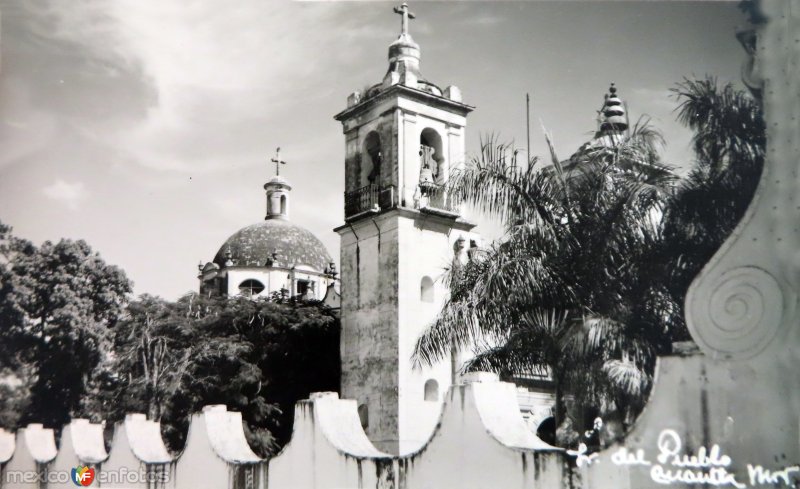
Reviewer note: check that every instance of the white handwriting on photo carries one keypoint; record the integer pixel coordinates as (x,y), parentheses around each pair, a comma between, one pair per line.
(704,466)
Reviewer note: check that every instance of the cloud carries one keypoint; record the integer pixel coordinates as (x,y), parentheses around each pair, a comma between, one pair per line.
(213,79)
(70,194)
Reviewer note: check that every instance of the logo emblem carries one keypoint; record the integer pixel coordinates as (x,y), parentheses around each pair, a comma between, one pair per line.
(82,475)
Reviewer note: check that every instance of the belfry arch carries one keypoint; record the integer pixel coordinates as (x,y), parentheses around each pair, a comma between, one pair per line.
(371,159)
(431,154)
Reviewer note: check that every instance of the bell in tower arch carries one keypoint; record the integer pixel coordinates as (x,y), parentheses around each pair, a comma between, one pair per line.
(427,182)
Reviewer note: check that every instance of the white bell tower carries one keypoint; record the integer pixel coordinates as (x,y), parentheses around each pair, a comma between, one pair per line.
(403,137)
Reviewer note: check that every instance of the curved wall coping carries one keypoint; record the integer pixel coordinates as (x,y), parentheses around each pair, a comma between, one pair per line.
(40,442)
(495,402)
(339,422)
(86,439)
(144,439)
(7,445)
(226,434)
(499,411)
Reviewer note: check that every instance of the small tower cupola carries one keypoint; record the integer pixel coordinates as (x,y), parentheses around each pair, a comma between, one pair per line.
(277,189)
(614,118)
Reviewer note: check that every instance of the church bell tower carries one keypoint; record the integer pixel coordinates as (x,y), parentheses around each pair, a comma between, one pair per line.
(403,137)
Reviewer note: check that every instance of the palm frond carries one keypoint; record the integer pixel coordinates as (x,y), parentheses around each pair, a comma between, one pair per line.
(627,377)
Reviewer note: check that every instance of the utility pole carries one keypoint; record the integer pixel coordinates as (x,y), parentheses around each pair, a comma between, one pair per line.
(528,122)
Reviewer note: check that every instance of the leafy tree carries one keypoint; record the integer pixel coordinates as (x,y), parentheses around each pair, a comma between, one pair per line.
(57,302)
(256,357)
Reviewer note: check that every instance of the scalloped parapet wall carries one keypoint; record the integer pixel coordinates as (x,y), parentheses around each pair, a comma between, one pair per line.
(217,453)
(35,448)
(81,444)
(480,441)
(137,447)
(144,439)
(39,442)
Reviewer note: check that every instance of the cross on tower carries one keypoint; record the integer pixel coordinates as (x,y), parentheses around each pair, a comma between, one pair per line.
(278,161)
(404,12)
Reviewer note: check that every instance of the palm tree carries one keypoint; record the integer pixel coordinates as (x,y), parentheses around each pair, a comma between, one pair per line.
(588,283)
(729,145)
(552,295)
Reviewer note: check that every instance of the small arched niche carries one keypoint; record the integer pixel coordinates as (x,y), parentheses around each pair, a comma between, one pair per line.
(372,159)
(363,415)
(431,153)
(431,390)
(426,289)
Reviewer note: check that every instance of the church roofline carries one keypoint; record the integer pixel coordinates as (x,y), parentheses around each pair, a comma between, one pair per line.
(412,93)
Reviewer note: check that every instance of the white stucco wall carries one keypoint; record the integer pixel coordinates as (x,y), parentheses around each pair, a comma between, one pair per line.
(426,249)
(275,279)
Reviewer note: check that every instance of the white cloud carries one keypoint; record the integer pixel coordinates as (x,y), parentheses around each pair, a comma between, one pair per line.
(221,75)
(70,194)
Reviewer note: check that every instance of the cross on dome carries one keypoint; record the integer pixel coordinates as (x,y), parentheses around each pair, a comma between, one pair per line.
(405,14)
(278,161)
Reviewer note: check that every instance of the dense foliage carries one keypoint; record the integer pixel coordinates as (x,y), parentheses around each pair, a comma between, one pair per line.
(257,357)
(588,283)
(72,345)
(57,302)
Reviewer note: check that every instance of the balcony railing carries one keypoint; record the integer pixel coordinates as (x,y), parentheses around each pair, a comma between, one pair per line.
(371,198)
(437,201)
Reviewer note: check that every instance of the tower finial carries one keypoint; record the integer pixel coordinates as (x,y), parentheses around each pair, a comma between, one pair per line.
(278,161)
(613,118)
(405,14)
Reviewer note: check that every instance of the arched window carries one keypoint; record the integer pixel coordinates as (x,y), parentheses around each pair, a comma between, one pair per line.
(426,289)
(273,204)
(363,415)
(283,205)
(251,287)
(431,390)
(546,431)
(372,160)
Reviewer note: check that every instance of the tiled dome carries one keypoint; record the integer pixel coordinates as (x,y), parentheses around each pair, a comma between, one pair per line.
(253,246)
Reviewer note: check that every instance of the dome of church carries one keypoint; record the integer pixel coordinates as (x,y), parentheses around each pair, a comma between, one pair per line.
(255,245)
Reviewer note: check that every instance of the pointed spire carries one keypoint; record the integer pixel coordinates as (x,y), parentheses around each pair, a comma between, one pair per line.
(614,118)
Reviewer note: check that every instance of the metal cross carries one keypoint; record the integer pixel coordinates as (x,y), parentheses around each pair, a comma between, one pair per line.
(278,161)
(403,11)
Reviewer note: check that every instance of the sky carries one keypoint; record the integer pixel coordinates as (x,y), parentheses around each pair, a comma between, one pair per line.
(146,127)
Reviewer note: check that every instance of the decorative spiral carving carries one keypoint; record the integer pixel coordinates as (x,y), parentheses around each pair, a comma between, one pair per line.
(739,313)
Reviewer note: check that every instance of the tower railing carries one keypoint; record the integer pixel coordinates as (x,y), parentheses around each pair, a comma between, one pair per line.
(438,201)
(370,198)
